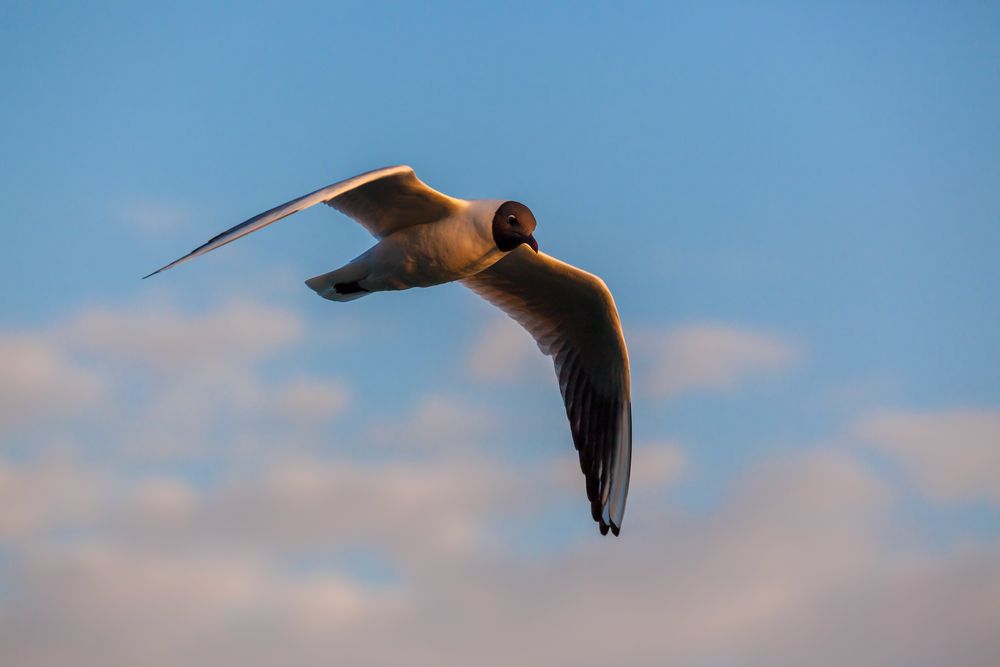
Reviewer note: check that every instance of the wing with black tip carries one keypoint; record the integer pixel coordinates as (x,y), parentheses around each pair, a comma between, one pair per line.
(573,318)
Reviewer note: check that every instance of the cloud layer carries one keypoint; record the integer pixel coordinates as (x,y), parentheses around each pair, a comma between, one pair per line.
(796,566)
(699,357)
(196,507)
(953,455)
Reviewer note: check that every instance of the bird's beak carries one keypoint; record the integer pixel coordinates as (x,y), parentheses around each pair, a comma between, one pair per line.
(531,242)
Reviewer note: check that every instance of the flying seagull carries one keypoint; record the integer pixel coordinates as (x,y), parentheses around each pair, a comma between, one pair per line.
(428,238)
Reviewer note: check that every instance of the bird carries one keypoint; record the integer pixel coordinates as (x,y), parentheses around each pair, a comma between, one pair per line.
(427,238)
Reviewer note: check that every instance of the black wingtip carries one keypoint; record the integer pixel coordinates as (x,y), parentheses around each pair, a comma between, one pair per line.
(605,526)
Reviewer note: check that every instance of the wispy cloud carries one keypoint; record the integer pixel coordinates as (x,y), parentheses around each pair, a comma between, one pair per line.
(506,352)
(709,357)
(163,337)
(47,493)
(437,424)
(953,455)
(155,379)
(659,464)
(115,557)
(310,400)
(41,381)
(756,572)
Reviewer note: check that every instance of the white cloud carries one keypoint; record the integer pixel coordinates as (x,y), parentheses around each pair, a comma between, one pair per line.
(953,455)
(428,507)
(163,499)
(709,356)
(656,465)
(243,560)
(165,338)
(155,381)
(437,424)
(506,352)
(309,400)
(47,494)
(428,510)
(41,382)
(109,605)
(796,567)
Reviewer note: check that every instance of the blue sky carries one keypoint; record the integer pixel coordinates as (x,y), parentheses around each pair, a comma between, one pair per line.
(795,206)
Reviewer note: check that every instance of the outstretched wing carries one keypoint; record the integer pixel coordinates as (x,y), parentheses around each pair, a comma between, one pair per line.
(573,318)
(383,201)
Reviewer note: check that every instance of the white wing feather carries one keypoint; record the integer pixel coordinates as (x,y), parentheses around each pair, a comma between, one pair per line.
(383,201)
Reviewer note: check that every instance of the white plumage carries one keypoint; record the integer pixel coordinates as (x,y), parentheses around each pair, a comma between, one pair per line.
(428,238)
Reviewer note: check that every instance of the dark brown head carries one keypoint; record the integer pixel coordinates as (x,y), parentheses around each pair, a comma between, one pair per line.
(513,224)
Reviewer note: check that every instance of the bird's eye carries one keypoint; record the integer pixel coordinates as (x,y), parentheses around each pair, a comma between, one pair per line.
(511,220)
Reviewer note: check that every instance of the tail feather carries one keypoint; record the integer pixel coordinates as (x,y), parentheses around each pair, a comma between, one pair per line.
(342,284)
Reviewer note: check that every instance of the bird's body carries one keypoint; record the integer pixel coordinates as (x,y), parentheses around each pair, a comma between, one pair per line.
(423,255)
(426,238)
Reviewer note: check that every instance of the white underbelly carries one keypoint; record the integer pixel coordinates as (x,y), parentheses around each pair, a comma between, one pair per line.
(427,255)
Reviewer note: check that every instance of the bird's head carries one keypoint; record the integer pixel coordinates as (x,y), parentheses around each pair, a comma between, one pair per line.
(513,224)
